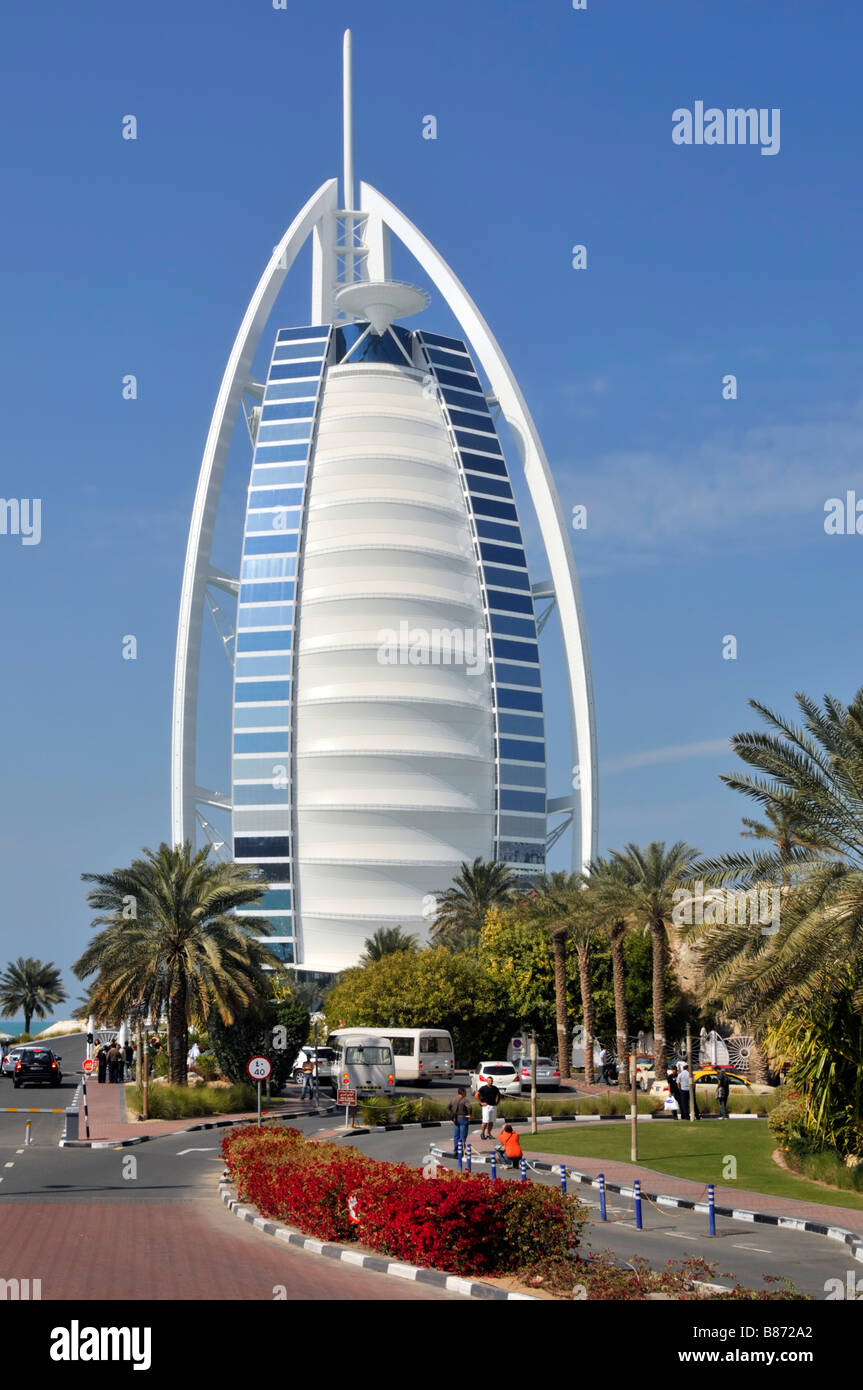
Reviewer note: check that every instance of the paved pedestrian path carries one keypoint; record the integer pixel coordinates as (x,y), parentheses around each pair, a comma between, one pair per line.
(110,1121)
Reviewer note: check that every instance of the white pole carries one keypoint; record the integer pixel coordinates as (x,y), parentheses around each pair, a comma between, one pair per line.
(348,140)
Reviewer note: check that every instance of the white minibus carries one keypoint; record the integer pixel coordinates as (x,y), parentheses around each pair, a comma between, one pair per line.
(364,1062)
(421,1054)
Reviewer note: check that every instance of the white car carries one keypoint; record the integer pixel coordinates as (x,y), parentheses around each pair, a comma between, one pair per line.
(547,1073)
(503,1075)
(7,1067)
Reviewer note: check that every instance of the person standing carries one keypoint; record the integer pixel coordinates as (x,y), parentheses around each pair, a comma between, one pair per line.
(674,1092)
(723,1086)
(684,1081)
(488,1096)
(101,1062)
(307,1091)
(129,1059)
(114,1056)
(459,1112)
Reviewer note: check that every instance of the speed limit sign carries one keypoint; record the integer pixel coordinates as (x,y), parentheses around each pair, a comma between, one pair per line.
(260,1068)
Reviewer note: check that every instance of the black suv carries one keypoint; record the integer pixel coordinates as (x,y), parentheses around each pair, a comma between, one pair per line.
(38,1066)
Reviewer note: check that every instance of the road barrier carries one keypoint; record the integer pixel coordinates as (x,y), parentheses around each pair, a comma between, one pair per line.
(637,1186)
(468,1156)
(563,1179)
(603,1210)
(493,1167)
(29,1110)
(711,1207)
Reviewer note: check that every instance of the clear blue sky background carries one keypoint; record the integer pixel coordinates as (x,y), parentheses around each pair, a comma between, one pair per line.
(705,516)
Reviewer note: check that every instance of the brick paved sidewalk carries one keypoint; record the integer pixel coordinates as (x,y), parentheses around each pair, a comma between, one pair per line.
(108,1118)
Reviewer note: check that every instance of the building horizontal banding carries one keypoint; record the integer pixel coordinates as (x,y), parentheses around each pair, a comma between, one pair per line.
(394,761)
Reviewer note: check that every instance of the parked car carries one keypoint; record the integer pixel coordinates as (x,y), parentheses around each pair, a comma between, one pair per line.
(707,1077)
(37,1066)
(547,1074)
(7,1066)
(327,1057)
(645,1070)
(503,1075)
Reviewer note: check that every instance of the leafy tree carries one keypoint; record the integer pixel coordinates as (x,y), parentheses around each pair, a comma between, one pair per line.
(825,1050)
(30,987)
(434,988)
(278,1032)
(385,941)
(173,941)
(462,907)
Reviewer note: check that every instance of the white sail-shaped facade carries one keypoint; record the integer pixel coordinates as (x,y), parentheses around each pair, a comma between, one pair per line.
(388,714)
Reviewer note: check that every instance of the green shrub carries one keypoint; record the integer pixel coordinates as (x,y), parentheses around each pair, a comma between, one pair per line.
(374,1111)
(192,1102)
(823,1165)
(408,1110)
(787,1122)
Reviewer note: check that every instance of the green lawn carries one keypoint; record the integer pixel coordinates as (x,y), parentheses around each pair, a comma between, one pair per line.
(695,1151)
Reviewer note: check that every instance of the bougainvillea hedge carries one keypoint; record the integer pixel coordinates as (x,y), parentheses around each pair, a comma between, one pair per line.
(455,1222)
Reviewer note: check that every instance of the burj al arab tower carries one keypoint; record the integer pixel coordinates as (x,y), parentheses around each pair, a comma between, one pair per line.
(388,719)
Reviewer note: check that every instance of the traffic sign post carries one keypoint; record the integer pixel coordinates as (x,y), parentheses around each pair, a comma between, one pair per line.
(259,1069)
(349,1100)
(88,1065)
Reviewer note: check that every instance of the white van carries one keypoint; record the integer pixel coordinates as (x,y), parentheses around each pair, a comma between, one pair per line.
(421,1054)
(364,1063)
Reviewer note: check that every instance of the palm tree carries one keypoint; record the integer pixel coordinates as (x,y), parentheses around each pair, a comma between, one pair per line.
(185,952)
(462,907)
(649,878)
(608,885)
(817,952)
(385,942)
(30,987)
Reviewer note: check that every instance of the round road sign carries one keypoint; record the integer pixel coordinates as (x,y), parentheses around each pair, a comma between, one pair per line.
(89,1064)
(259,1068)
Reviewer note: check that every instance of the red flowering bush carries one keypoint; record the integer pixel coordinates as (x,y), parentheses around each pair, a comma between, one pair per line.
(463,1224)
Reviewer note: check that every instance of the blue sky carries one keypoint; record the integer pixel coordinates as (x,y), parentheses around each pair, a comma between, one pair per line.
(705,516)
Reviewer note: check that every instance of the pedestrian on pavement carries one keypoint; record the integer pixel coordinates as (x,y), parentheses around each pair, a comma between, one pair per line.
(674,1091)
(604,1064)
(488,1097)
(101,1062)
(723,1086)
(511,1145)
(129,1059)
(684,1081)
(114,1055)
(459,1112)
(308,1073)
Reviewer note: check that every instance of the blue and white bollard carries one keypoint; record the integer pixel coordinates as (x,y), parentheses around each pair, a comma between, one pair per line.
(638,1225)
(711,1207)
(523,1174)
(459,1154)
(603,1213)
(467,1154)
(493,1166)
(563,1179)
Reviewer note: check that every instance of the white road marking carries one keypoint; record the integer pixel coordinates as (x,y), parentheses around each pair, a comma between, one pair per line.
(8,1165)
(19,1151)
(213,1148)
(759,1248)
(678,1236)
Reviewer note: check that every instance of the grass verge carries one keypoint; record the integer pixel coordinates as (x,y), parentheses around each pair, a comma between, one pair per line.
(191,1102)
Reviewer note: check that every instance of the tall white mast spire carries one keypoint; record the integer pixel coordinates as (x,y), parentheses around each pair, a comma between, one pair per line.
(348,123)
